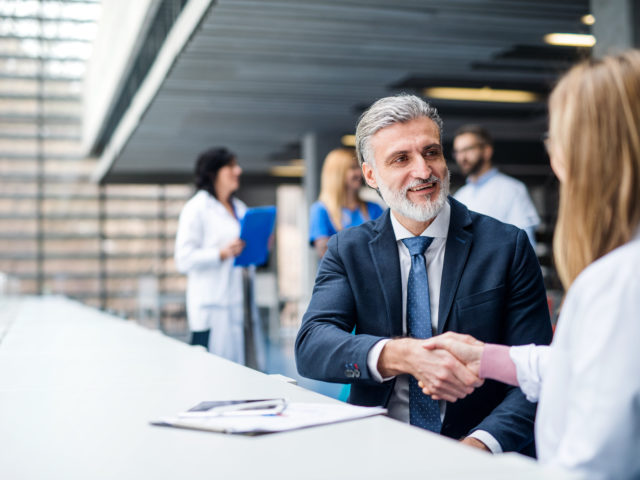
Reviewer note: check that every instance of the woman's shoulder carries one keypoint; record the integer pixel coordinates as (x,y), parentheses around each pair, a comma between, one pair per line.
(318,210)
(319,222)
(601,309)
(318,206)
(613,275)
(204,201)
(200,197)
(196,201)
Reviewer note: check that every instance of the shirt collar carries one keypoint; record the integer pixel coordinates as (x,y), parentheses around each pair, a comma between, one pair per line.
(492,172)
(438,228)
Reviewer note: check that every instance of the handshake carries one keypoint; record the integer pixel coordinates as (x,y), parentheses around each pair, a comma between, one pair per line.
(448,367)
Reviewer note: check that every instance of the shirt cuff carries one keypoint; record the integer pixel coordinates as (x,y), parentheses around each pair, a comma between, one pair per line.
(488,439)
(528,368)
(372,361)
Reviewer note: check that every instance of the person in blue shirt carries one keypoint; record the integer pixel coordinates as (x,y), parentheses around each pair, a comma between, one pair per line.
(339,206)
(489,191)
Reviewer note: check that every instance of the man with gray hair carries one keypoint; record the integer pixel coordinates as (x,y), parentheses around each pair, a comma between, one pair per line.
(426,266)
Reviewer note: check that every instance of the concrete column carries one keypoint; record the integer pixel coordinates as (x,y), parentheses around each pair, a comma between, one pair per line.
(315,147)
(617,25)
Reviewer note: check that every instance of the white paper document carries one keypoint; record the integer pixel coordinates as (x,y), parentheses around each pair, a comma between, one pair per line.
(295,416)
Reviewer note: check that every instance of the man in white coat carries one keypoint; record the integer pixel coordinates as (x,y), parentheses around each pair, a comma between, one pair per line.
(487,190)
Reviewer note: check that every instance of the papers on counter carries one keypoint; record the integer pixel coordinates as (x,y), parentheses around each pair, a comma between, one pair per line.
(294,416)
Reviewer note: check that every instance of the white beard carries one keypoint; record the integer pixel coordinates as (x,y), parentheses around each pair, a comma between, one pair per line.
(399,202)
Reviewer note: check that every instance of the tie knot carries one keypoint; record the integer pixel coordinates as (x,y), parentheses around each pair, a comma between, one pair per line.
(417,245)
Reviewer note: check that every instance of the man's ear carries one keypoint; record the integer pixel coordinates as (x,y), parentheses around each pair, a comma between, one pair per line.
(488,152)
(369,176)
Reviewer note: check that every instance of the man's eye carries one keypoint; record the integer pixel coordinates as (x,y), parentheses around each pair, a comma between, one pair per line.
(432,152)
(400,159)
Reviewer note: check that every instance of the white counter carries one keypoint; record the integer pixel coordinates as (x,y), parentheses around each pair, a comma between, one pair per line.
(78,388)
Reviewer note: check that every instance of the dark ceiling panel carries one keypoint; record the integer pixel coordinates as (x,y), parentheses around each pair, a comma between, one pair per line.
(257,75)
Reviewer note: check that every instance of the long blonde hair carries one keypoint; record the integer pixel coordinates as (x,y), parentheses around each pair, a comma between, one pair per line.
(332,184)
(595,127)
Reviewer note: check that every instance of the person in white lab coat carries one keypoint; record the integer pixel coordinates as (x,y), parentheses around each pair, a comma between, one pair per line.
(587,382)
(207,241)
(489,191)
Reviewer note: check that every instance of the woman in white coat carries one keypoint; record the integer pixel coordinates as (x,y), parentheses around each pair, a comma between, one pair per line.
(587,382)
(207,241)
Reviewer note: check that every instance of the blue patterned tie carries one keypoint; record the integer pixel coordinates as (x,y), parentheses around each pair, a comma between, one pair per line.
(423,410)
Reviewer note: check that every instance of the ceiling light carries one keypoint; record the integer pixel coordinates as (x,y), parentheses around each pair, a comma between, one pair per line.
(570,39)
(484,94)
(588,19)
(296,168)
(348,140)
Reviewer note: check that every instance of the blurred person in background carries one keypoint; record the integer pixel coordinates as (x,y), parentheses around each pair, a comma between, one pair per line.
(339,205)
(207,241)
(487,190)
(586,383)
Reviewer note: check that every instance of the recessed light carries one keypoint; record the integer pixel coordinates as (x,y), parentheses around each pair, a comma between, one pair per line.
(588,19)
(484,94)
(348,140)
(295,168)
(570,39)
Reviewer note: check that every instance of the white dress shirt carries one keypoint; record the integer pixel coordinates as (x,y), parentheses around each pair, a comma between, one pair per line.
(587,381)
(501,197)
(398,406)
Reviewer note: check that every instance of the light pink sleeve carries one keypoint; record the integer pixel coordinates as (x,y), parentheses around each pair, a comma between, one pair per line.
(496,364)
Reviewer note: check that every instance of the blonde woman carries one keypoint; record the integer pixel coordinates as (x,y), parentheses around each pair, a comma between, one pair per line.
(339,205)
(587,382)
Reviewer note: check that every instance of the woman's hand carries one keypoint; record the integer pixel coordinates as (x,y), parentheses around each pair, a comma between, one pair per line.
(465,348)
(232,249)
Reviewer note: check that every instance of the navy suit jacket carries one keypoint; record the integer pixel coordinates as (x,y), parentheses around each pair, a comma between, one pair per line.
(491,288)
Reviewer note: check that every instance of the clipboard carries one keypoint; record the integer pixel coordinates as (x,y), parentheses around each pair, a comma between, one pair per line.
(293,416)
(255,229)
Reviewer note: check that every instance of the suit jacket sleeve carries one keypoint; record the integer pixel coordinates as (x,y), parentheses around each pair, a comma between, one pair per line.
(526,321)
(325,347)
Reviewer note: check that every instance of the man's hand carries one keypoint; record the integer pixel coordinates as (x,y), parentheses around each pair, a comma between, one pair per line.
(439,373)
(465,348)
(475,443)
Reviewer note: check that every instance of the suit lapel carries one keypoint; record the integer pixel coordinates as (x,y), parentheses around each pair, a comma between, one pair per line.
(459,241)
(384,254)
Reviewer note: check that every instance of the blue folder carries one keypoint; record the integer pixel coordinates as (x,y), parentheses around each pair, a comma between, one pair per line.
(255,229)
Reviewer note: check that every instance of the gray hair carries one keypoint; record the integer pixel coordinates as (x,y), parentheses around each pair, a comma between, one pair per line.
(389,111)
